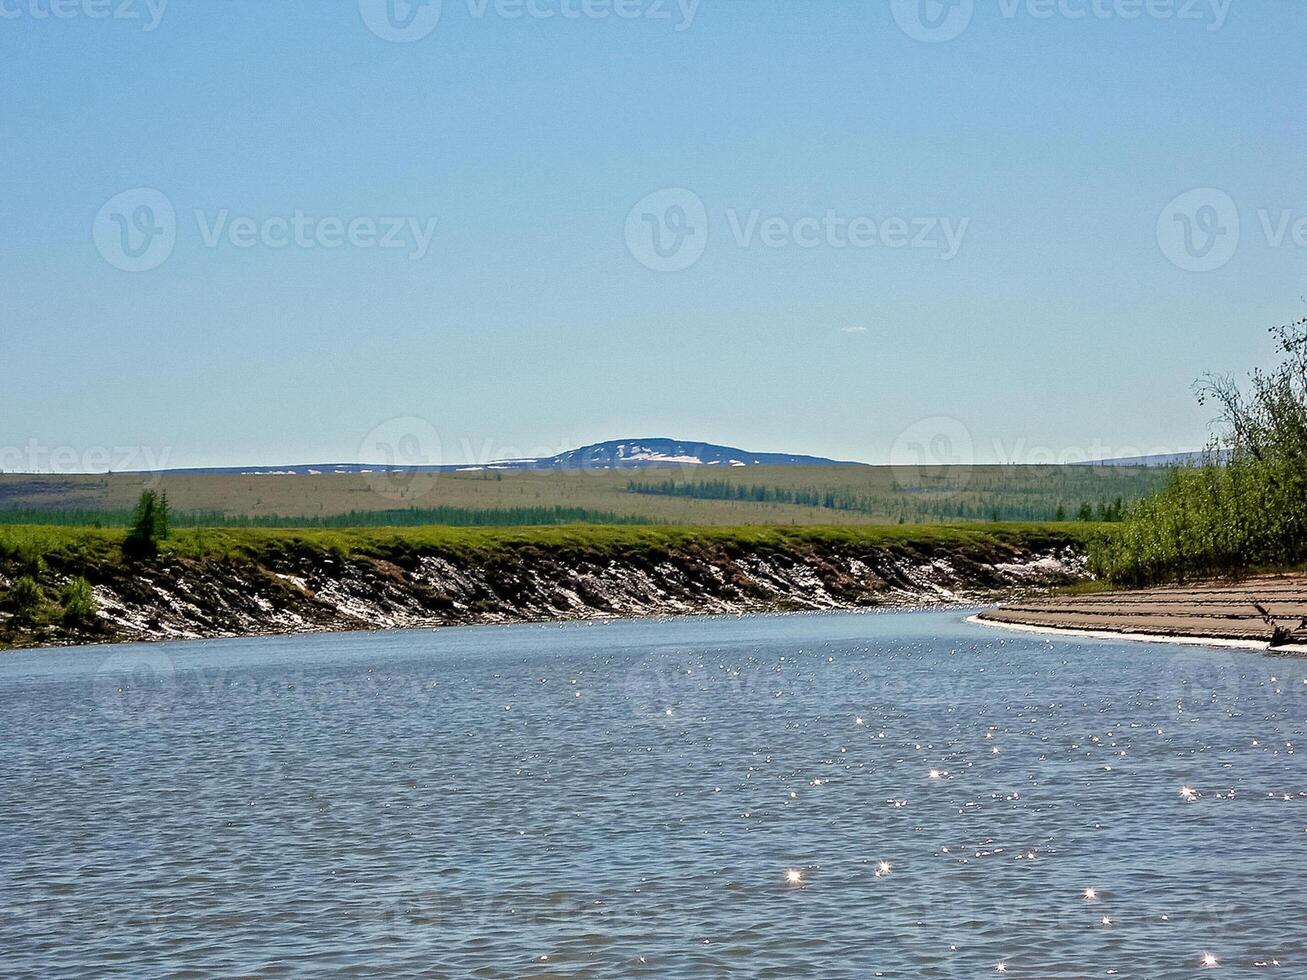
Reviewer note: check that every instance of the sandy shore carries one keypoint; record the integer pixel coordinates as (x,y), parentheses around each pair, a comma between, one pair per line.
(1241,613)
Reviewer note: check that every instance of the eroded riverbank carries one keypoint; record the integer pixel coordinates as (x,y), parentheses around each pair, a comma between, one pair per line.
(286,583)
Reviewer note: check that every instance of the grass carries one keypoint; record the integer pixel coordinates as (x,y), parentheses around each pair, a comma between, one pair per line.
(410,517)
(997,493)
(866,494)
(102,546)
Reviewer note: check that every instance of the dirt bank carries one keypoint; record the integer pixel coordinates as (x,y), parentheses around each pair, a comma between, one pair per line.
(287,584)
(1269,610)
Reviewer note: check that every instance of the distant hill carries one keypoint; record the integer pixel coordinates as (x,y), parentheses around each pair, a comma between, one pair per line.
(639,453)
(617,454)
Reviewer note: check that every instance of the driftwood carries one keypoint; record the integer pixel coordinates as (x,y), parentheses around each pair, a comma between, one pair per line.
(1280,635)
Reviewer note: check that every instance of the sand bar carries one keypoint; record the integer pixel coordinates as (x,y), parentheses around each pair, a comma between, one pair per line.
(1244,612)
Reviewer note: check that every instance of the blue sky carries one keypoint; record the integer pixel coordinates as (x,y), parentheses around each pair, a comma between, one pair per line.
(532,320)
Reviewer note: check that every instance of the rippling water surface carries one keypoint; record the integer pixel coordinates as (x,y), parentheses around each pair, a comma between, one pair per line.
(845,795)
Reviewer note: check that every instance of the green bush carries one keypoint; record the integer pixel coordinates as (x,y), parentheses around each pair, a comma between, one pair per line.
(31,560)
(78,601)
(1247,507)
(26,599)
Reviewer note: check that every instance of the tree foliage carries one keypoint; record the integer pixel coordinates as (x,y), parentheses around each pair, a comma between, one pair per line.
(1247,506)
(149,526)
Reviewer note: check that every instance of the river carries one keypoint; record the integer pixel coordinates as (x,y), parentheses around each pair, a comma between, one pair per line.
(833,795)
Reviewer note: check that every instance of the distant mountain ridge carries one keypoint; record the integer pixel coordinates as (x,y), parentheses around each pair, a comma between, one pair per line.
(640,453)
(616,454)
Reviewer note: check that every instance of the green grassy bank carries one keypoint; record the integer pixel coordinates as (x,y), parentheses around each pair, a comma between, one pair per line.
(104,545)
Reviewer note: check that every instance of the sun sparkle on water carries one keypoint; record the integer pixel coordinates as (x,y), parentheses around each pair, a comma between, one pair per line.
(969,833)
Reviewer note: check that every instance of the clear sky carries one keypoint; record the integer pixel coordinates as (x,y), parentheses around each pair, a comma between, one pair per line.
(979,231)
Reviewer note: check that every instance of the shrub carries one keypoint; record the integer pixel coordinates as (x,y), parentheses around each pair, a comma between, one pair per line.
(26,599)
(78,602)
(1247,506)
(31,560)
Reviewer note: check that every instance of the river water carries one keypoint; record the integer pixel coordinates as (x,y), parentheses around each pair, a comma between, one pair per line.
(842,795)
